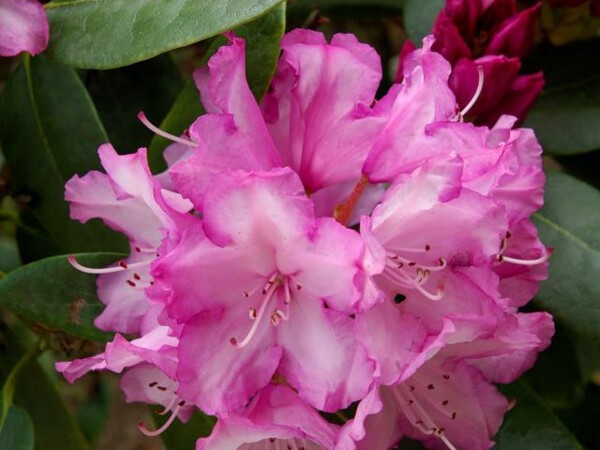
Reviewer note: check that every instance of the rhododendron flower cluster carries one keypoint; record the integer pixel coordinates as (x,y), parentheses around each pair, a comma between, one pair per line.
(491,36)
(323,252)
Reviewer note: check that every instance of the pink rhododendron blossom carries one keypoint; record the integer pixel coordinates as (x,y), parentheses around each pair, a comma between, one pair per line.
(23,27)
(263,291)
(324,247)
(446,404)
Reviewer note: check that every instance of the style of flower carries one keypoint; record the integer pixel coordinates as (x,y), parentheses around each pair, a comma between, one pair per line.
(24,27)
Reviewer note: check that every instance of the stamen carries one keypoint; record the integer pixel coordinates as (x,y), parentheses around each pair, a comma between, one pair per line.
(167,424)
(261,312)
(120,268)
(432,428)
(526,262)
(475,97)
(169,407)
(404,280)
(142,117)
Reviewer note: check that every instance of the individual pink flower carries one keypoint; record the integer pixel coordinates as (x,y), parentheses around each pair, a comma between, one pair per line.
(24,27)
(428,223)
(447,404)
(317,118)
(130,200)
(275,418)
(491,35)
(262,286)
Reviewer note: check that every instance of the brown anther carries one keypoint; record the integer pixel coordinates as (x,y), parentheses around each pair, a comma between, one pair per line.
(445,402)
(427,247)
(181,403)
(161,388)
(412,264)
(130,283)
(137,249)
(123,264)
(136,276)
(154,383)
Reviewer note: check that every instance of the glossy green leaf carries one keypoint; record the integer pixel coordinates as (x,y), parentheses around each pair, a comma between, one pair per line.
(419,16)
(54,426)
(565,387)
(16,431)
(150,86)
(569,223)
(567,118)
(105,34)
(262,50)
(50,131)
(531,425)
(55,296)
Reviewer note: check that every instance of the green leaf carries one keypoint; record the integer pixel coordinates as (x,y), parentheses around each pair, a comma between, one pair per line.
(565,388)
(16,432)
(531,425)
(49,131)
(54,426)
(419,16)
(262,50)
(150,86)
(569,223)
(566,119)
(103,34)
(56,296)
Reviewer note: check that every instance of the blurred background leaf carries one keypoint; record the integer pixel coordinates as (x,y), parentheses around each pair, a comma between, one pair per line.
(55,296)
(50,131)
(569,223)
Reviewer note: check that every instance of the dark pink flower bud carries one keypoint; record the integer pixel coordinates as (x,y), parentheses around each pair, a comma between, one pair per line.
(499,72)
(448,39)
(515,36)
(519,99)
